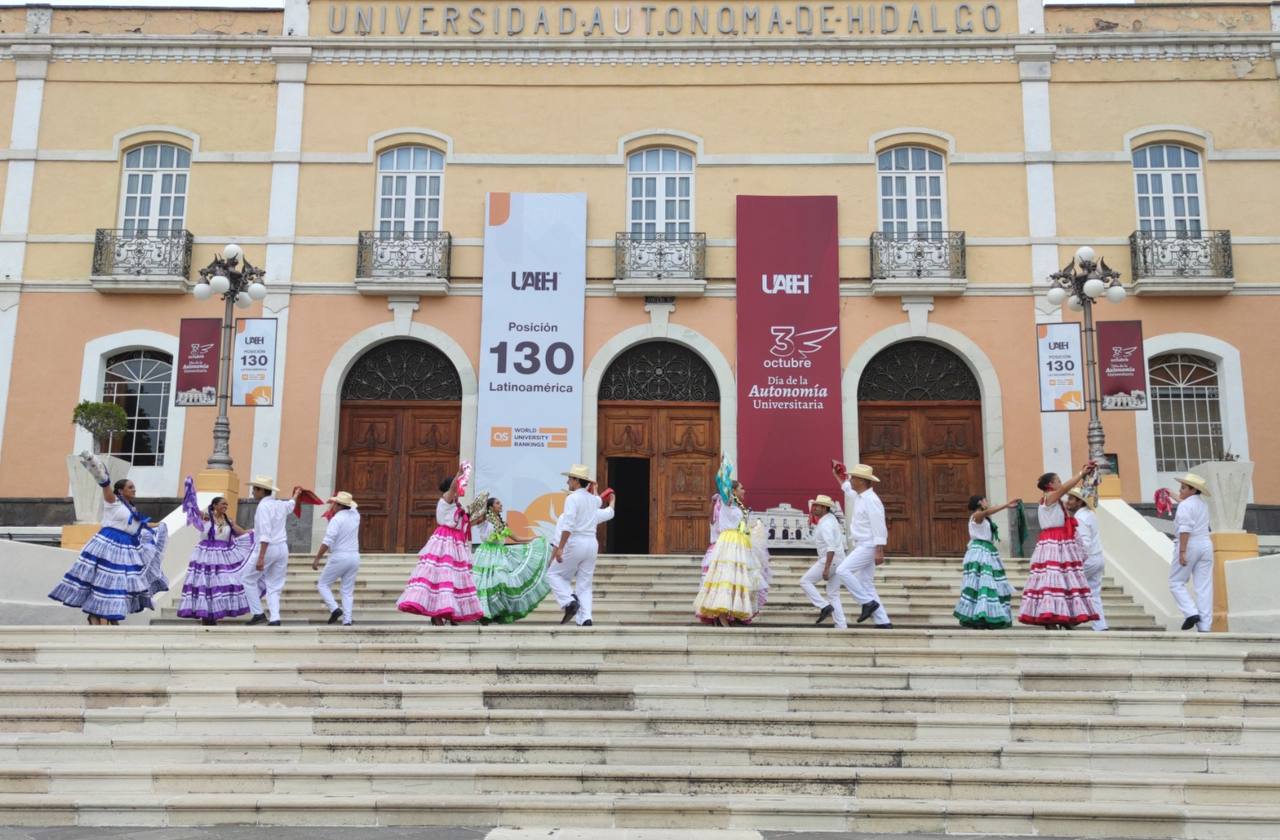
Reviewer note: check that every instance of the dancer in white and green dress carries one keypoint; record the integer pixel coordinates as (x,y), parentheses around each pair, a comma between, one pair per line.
(986,593)
(511,575)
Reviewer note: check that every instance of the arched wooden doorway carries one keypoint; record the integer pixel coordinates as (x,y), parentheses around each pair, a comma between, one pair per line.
(398,435)
(659,446)
(920,427)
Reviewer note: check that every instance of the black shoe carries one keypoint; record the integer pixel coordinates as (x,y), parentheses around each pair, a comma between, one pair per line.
(825,613)
(586,623)
(273,624)
(570,611)
(868,610)
(1191,622)
(888,626)
(334,616)
(257,619)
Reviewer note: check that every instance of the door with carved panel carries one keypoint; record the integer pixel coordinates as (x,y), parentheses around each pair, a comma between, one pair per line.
(920,428)
(399,434)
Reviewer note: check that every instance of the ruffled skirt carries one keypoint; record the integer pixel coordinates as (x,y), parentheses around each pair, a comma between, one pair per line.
(442,586)
(511,580)
(116,574)
(736,585)
(1056,591)
(986,593)
(212,589)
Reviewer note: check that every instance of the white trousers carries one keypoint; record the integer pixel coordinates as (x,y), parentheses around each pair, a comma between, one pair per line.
(1199,573)
(342,569)
(1094,566)
(856,573)
(578,561)
(809,582)
(272,574)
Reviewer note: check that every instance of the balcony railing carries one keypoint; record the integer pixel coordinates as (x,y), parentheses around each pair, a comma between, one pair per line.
(661,256)
(920,254)
(403,255)
(119,253)
(1168,253)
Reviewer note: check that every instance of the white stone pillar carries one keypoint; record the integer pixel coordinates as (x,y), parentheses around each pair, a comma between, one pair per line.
(282,223)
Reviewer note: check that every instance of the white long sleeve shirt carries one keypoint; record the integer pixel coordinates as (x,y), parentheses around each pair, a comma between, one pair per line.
(1087,536)
(827,537)
(1192,516)
(582,513)
(342,536)
(269,520)
(867,520)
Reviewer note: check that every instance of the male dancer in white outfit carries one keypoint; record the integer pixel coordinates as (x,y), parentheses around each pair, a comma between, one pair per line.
(828,538)
(342,542)
(574,556)
(869,534)
(273,549)
(1193,555)
(1080,506)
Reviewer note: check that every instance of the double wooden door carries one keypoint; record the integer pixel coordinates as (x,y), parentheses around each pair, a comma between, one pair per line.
(391,457)
(681,443)
(929,460)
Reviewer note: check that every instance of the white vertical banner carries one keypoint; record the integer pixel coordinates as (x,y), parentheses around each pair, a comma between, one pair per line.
(531,366)
(253,362)
(1061,370)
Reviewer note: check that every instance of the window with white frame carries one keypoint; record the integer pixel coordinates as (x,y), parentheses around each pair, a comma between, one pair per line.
(155,189)
(660,192)
(1186,412)
(1169,185)
(139,381)
(913,190)
(410,190)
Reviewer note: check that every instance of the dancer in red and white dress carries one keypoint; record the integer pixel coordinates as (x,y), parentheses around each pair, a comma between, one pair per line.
(441,587)
(1057,593)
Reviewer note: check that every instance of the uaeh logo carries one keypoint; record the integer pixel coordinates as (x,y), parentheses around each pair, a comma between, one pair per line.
(785,284)
(539,281)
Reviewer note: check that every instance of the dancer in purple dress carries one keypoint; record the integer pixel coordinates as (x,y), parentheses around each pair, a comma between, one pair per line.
(213,590)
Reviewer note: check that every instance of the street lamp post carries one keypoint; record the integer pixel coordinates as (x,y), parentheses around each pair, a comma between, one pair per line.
(1081,284)
(239,283)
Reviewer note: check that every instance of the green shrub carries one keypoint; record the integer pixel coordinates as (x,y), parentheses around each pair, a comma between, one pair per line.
(101,420)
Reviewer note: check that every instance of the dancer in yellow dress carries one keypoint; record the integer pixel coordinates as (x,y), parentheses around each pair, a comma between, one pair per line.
(737,580)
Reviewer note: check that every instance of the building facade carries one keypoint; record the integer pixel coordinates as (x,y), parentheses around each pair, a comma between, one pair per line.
(349,147)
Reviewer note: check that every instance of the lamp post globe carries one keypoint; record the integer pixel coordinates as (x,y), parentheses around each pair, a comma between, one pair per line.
(232,253)
(202,291)
(1094,288)
(1056,296)
(219,283)
(257,291)
(1116,294)
(243,301)
(1085,254)
(1075,304)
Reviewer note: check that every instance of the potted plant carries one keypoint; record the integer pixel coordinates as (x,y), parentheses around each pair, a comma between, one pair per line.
(101,420)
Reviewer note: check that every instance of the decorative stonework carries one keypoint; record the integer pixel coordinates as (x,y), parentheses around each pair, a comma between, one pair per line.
(660,371)
(1230,483)
(405,369)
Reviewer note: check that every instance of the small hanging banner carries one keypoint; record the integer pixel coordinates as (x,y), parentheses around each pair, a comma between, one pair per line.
(1061,370)
(1122,366)
(253,363)
(199,347)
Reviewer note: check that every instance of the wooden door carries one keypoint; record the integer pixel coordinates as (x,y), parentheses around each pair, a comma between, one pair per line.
(682,443)
(391,457)
(929,459)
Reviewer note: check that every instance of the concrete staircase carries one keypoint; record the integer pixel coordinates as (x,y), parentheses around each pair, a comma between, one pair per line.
(646,720)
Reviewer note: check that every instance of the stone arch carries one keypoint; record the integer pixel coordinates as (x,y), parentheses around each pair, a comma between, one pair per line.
(686,336)
(910,371)
(659,370)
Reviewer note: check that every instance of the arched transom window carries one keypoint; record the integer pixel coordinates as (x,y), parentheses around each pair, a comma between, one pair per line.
(1186,411)
(1170,189)
(913,190)
(155,189)
(410,190)
(660,191)
(138,381)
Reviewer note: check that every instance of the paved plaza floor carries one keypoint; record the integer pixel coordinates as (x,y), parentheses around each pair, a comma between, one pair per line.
(361,833)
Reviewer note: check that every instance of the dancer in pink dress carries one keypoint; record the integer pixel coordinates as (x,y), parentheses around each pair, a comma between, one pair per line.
(441,587)
(1057,593)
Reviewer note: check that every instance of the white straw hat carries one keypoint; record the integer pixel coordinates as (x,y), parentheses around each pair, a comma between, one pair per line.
(823,500)
(864,472)
(342,497)
(265,482)
(580,472)
(1195,482)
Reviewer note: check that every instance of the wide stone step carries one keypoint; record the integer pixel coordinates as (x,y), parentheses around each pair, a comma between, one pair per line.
(815,813)
(347,779)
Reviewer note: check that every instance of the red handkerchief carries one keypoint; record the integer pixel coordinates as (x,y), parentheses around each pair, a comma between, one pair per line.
(606,495)
(306,497)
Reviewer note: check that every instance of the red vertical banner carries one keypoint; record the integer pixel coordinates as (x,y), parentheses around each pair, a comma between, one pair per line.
(1122,366)
(199,347)
(789,426)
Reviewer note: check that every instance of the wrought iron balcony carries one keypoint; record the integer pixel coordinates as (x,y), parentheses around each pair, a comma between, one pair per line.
(1169,253)
(918,255)
(142,253)
(389,262)
(660,263)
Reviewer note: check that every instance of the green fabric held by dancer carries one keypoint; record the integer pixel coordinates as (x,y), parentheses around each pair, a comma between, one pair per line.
(511,575)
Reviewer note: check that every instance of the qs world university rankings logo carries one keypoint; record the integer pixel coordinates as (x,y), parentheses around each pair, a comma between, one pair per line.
(528,437)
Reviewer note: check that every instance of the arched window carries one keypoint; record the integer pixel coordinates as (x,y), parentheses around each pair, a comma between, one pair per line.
(138,381)
(914,371)
(1186,411)
(410,190)
(660,190)
(155,189)
(913,190)
(404,369)
(659,371)
(1169,186)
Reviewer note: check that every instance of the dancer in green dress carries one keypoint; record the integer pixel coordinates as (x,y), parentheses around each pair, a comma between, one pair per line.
(510,575)
(986,593)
